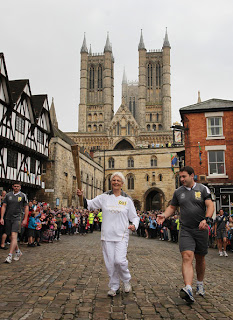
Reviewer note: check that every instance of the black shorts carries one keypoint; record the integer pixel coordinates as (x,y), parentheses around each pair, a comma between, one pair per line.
(37,234)
(31,233)
(12,226)
(221,234)
(194,240)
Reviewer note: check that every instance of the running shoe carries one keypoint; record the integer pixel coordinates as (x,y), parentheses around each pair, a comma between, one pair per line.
(225,254)
(200,290)
(113,293)
(187,295)
(8,259)
(220,253)
(127,287)
(17,256)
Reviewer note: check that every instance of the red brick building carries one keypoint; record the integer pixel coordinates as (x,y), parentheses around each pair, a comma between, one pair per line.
(208,132)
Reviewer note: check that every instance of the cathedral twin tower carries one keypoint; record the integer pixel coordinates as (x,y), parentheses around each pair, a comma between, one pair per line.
(149,99)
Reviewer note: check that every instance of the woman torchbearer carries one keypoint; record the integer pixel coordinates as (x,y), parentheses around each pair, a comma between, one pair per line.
(118,209)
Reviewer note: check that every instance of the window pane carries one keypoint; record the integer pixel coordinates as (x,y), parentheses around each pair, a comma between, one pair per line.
(211,122)
(217,121)
(213,168)
(219,156)
(220,168)
(212,156)
(225,199)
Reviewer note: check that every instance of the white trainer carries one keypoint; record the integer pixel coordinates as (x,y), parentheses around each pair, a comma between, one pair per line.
(220,253)
(225,254)
(113,293)
(8,259)
(127,287)
(200,290)
(17,256)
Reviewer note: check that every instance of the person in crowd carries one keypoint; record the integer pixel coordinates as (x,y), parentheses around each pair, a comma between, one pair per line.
(230,231)
(100,218)
(12,208)
(38,227)
(59,224)
(91,221)
(221,233)
(196,208)
(32,230)
(3,234)
(118,209)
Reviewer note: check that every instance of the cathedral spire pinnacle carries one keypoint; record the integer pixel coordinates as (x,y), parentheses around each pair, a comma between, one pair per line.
(90,52)
(108,46)
(141,43)
(84,46)
(199,97)
(124,80)
(166,42)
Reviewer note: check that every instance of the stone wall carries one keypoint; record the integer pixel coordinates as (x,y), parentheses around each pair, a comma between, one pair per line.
(60,179)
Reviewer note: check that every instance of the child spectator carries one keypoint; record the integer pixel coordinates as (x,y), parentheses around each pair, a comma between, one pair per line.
(31,229)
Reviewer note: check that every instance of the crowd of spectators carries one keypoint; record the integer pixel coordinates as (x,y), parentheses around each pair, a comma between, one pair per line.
(47,225)
(169,231)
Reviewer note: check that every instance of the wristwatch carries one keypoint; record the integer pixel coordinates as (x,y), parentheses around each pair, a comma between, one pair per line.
(207,219)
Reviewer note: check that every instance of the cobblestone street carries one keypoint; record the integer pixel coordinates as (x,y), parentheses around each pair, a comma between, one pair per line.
(68,280)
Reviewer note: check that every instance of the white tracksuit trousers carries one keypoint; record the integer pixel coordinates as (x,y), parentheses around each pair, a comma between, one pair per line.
(114,253)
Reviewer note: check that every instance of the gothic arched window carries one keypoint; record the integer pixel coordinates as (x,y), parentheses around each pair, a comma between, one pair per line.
(149,75)
(157,117)
(130,162)
(130,105)
(100,128)
(150,116)
(134,107)
(92,77)
(100,77)
(154,127)
(158,75)
(111,163)
(118,128)
(148,127)
(130,182)
(160,177)
(129,128)
(95,127)
(147,178)
(153,161)
(160,127)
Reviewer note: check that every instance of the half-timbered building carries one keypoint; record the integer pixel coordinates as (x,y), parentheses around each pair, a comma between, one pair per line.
(25,131)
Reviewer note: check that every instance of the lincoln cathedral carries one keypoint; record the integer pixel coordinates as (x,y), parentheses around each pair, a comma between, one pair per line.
(137,140)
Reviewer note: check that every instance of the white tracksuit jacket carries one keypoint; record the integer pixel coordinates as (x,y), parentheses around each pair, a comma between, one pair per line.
(117,212)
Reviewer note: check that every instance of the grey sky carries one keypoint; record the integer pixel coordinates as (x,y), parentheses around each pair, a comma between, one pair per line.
(41,41)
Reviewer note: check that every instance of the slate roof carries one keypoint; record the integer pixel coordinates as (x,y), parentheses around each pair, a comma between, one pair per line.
(16,88)
(208,105)
(58,133)
(37,103)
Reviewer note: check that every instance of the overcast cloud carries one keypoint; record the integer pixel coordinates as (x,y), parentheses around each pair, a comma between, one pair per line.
(41,41)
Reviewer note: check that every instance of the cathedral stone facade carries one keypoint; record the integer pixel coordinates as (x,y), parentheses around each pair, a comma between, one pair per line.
(141,126)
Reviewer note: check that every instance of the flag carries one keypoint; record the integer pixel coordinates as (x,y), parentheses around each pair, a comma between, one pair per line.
(200,152)
(173,162)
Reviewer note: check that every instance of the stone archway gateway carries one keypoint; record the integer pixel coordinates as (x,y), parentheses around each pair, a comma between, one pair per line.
(154,199)
(137,204)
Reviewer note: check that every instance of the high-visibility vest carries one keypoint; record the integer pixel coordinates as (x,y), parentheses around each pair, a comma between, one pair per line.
(99,215)
(91,218)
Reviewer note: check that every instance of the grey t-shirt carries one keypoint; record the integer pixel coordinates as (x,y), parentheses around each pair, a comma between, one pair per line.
(14,205)
(221,222)
(192,204)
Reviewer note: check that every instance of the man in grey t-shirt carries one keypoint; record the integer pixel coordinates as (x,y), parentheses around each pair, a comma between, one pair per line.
(12,208)
(196,207)
(221,232)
